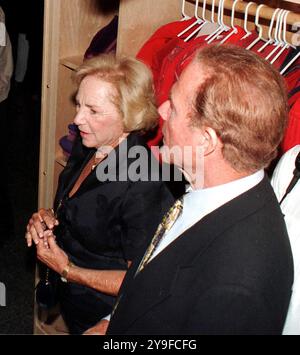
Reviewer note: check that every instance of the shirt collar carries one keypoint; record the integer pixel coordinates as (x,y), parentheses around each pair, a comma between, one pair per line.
(203,201)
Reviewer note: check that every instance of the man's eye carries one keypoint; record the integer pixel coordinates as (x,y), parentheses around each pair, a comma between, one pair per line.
(93,112)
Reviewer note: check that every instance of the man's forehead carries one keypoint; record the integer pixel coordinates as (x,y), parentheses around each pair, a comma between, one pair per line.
(190,78)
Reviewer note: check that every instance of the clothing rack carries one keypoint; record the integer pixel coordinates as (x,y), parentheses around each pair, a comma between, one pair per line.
(265,13)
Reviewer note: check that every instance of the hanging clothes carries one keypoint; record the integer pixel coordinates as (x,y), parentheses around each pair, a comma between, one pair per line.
(292,134)
(105,40)
(153,52)
(157,46)
(167,55)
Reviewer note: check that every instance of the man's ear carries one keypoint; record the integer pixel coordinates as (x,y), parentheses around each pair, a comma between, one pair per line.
(210,140)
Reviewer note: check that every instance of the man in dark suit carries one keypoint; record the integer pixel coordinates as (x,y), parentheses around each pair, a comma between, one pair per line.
(225,265)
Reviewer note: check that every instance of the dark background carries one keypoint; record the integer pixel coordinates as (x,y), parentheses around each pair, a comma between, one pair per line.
(20,174)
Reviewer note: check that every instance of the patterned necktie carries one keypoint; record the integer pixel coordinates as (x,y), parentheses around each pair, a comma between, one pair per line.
(168,221)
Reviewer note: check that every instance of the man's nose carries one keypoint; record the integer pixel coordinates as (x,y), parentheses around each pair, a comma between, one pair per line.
(163,110)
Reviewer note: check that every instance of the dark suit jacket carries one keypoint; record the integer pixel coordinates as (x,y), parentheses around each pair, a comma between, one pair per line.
(105,223)
(231,273)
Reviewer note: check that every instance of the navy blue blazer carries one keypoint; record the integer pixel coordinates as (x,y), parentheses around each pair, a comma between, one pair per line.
(230,273)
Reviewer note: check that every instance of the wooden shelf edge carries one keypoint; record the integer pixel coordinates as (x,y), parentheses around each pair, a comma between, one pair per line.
(61,159)
(72,62)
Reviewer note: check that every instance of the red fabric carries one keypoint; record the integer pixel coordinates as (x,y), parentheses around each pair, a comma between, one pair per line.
(156,46)
(174,63)
(167,55)
(292,79)
(179,58)
(247,41)
(292,135)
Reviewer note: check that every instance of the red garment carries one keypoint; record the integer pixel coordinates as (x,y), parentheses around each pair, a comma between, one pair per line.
(180,57)
(177,59)
(167,55)
(248,40)
(154,48)
(292,134)
(292,79)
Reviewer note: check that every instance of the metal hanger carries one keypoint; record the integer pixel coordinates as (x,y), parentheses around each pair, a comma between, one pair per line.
(271,39)
(213,11)
(277,34)
(285,43)
(184,15)
(290,63)
(260,28)
(203,19)
(234,29)
(222,27)
(198,21)
(248,33)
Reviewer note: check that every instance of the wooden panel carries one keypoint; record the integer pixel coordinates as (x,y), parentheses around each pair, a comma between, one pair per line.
(138,19)
(65,101)
(292,5)
(293,1)
(71,62)
(64,116)
(69,26)
(80,20)
(49,102)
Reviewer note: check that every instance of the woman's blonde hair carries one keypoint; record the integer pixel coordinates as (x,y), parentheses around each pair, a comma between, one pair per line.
(134,84)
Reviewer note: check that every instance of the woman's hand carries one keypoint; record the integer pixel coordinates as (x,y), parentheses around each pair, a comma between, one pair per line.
(99,329)
(51,254)
(38,224)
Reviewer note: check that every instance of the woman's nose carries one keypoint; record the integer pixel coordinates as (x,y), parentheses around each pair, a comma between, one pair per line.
(79,117)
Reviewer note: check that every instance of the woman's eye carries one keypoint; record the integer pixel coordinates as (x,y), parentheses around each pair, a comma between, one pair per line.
(93,112)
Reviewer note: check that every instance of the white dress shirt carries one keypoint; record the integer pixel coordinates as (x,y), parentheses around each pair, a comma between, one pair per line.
(199,203)
(291,209)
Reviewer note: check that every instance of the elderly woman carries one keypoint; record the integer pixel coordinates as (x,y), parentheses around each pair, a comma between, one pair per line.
(100,224)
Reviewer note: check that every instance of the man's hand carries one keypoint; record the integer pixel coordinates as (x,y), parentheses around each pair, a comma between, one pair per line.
(99,329)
